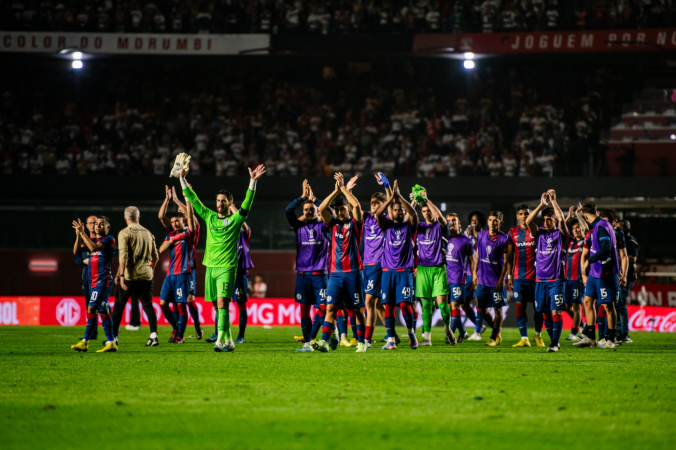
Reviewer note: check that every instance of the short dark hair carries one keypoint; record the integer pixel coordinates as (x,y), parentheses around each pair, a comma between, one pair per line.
(104,218)
(228,194)
(380,196)
(589,208)
(574,222)
(608,213)
(548,211)
(522,207)
(339,201)
(626,226)
(308,201)
(177,214)
(481,216)
(497,214)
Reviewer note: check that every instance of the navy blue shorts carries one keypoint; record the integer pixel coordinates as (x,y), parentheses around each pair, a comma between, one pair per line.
(98,297)
(488,297)
(603,290)
(574,291)
(86,290)
(397,287)
(193,283)
(311,289)
(524,290)
(550,296)
(241,292)
(371,277)
(345,290)
(467,293)
(457,292)
(176,288)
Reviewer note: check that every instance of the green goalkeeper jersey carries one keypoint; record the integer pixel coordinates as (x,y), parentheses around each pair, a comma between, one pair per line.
(222,234)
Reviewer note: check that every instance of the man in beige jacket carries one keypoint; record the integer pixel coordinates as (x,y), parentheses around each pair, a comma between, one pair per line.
(138,259)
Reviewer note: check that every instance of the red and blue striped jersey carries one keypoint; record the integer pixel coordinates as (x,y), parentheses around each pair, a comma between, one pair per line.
(574,259)
(179,252)
(524,253)
(345,243)
(194,239)
(100,261)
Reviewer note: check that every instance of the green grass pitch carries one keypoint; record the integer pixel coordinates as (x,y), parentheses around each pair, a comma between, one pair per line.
(265,396)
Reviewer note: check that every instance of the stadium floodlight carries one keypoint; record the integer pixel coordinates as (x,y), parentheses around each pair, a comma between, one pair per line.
(77,64)
(77,55)
(672,137)
(469,64)
(469,55)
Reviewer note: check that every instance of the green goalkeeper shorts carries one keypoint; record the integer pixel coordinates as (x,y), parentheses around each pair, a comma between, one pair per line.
(431,282)
(219,282)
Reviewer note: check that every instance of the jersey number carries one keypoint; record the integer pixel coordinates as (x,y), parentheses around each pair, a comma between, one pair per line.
(406,291)
(179,293)
(95,295)
(497,296)
(457,292)
(604,293)
(558,299)
(322,294)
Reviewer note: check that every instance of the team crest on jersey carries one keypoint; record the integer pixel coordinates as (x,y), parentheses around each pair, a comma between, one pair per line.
(549,242)
(488,250)
(226,222)
(450,248)
(299,297)
(346,226)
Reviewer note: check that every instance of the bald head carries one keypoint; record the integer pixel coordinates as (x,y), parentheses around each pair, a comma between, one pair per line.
(132,214)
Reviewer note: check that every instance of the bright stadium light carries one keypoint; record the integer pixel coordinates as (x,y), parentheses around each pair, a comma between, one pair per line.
(77,64)
(469,55)
(469,64)
(77,55)
(672,137)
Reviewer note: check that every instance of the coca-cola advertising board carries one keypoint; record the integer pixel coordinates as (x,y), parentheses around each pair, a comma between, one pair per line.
(71,311)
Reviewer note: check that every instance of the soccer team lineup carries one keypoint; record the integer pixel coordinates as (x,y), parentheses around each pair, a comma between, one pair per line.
(359,265)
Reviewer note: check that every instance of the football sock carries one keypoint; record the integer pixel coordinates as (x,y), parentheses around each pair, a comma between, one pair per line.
(341,324)
(549,324)
(92,322)
(610,334)
(215,321)
(360,333)
(522,319)
(557,327)
(243,318)
(182,318)
(478,323)
(469,312)
(305,322)
(224,334)
(327,329)
(389,321)
(601,321)
(194,313)
(495,332)
(107,323)
(407,312)
(574,330)
(446,313)
(455,320)
(316,324)
(353,324)
(368,334)
(538,319)
(169,315)
(427,315)
(174,310)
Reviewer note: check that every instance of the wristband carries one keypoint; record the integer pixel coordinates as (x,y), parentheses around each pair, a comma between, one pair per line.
(184,183)
(252,185)
(384,180)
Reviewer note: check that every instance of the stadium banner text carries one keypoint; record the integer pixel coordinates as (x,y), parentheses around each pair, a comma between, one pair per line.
(548,41)
(71,311)
(134,44)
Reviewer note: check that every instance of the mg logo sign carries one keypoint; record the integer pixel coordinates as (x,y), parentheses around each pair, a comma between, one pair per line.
(68,312)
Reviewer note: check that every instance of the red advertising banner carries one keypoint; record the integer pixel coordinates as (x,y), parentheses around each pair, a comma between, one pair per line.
(548,41)
(71,311)
(654,294)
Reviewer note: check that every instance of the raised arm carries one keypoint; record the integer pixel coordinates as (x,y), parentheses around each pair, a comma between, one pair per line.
(530,220)
(352,200)
(162,215)
(76,246)
(412,214)
(80,228)
(190,217)
(383,222)
(563,227)
(384,182)
(181,207)
(248,199)
(436,213)
(584,228)
(190,195)
(324,210)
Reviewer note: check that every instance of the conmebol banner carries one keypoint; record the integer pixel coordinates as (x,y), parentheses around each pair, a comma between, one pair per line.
(71,311)
(548,41)
(134,44)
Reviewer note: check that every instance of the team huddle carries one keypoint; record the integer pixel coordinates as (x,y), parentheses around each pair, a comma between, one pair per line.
(360,265)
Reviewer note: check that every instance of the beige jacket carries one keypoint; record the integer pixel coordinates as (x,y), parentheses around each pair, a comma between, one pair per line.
(138,252)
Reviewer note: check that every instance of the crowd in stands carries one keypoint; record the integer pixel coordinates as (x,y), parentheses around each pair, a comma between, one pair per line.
(331,16)
(303,129)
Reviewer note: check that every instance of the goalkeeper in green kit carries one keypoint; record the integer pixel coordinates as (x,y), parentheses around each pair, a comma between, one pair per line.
(220,257)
